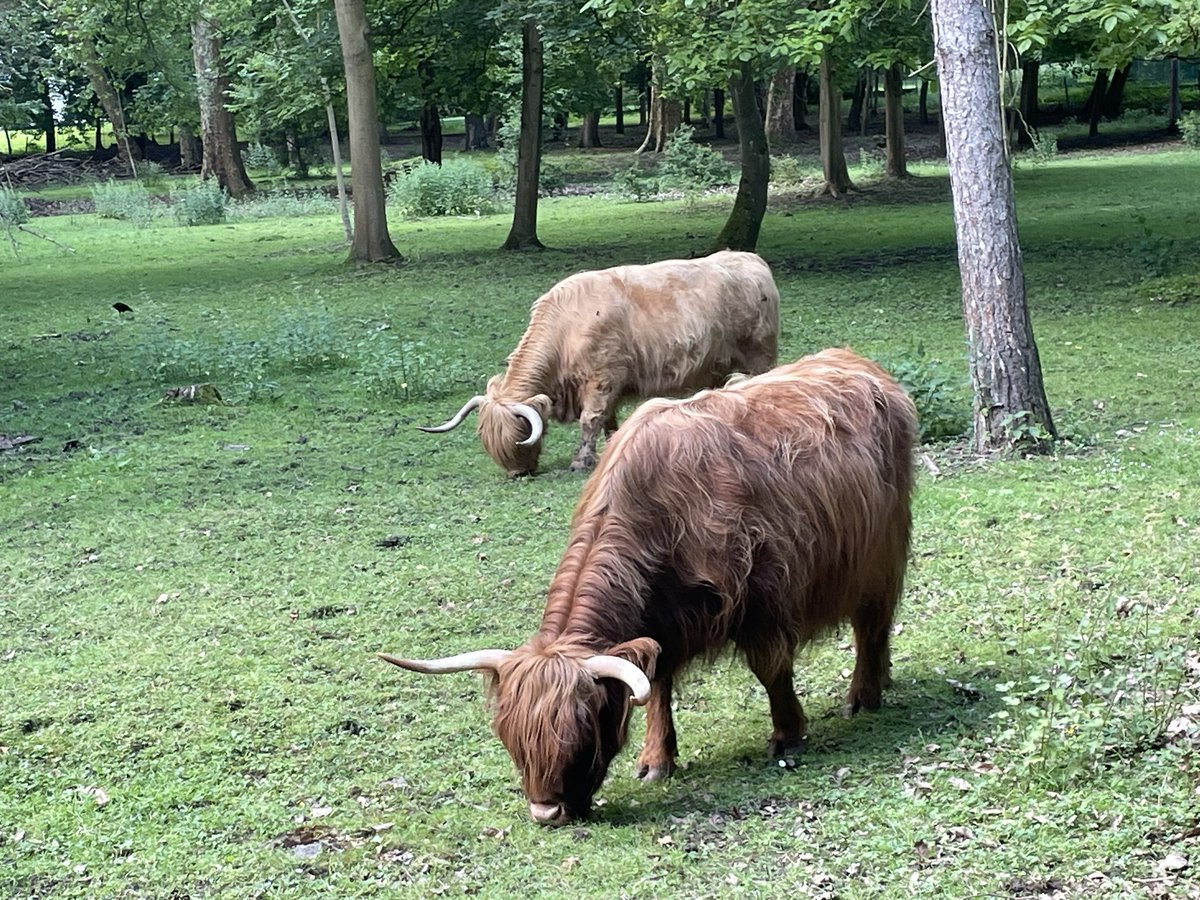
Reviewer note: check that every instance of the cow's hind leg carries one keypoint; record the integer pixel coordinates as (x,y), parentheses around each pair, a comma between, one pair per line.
(872,668)
(787,716)
(657,759)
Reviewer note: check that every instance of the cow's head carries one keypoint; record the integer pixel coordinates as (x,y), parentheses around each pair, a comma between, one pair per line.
(511,432)
(563,715)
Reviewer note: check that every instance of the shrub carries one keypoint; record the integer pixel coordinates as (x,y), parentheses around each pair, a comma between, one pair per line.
(692,166)
(634,184)
(792,170)
(457,187)
(1043,148)
(261,157)
(151,174)
(13,210)
(870,165)
(1189,127)
(942,401)
(282,204)
(204,203)
(125,200)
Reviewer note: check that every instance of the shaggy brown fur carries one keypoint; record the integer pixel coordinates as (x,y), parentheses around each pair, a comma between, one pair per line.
(596,338)
(755,516)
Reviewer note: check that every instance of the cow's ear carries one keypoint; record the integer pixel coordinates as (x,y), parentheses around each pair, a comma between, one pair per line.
(642,652)
(541,403)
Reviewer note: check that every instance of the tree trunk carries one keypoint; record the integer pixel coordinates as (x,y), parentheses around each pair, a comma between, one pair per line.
(431,133)
(1114,97)
(800,102)
(1174,107)
(923,103)
(854,118)
(190,153)
(110,102)
(523,234)
(781,117)
(666,114)
(222,157)
(619,104)
(46,115)
(1027,103)
(1011,409)
(475,133)
(829,118)
(1095,102)
(718,113)
(335,153)
(893,125)
(295,158)
(589,130)
(372,243)
(750,204)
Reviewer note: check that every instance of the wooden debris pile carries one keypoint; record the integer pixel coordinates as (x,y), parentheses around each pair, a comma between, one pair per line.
(60,167)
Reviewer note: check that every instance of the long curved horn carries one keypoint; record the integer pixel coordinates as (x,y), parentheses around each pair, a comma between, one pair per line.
(622,670)
(455,420)
(533,417)
(476,659)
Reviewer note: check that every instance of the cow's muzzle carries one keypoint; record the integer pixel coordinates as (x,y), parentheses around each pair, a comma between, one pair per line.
(549,814)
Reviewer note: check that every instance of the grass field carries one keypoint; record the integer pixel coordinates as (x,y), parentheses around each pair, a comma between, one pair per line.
(191,597)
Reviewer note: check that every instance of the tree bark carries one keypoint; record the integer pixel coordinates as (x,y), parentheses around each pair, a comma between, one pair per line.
(718,113)
(1174,106)
(750,204)
(1114,97)
(431,133)
(855,118)
(1011,410)
(589,130)
(222,157)
(523,234)
(800,102)
(372,243)
(1095,102)
(923,103)
(1027,103)
(893,125)
(781,116)
(190,154)
(475,133)
(110,102)
(619,103)
(46,115)
(666,114)
(829,117)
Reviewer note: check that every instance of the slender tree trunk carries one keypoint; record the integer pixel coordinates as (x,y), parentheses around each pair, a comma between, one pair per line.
(893,90)
(719,113)
(110,102)
(372,243)
(1010,400)
(431,133)
(589,130)
(619,103)
(295,158)
(833,157)
(190,153)
(923,103)
(1095,102)
(800,101)
(666,114)
(335,152)
(750,204)
(46,114)
(523,234)
(781,116)
(1028,101)
(1174,107)
(854,118)
(222,156)
(1114,97)
(475,133)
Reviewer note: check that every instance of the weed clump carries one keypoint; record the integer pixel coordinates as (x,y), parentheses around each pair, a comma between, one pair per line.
(128,201)
(457,187)
(942,401)
(1189,127)
(692,166)
(204,203)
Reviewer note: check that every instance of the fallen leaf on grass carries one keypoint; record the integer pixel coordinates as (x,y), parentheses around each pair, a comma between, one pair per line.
(569,863)
(99,795)
(1174,862)
(961,783)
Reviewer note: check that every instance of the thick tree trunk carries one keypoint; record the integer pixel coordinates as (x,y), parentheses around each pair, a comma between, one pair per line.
(718,113)
(1011,409)
(372,243)
(190,153)
(431,133)
(829,118)
(523,234)
(475,133)
(110,102)
(589,130)
(619,104)
(1114,97)
(1027,103)
(666,114)
(800,101)
(1095,102)
(854,118)
(893,90)
(750,204)
(781,117)
(222,156)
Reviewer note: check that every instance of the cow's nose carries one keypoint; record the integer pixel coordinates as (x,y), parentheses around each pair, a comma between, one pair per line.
(549,813)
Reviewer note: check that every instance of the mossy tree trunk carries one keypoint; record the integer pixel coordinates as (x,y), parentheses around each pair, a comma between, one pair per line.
(750,204)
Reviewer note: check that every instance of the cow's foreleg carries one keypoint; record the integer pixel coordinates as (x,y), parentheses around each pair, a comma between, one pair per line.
(787,716)
(872,669)
(657,759)
(598,412)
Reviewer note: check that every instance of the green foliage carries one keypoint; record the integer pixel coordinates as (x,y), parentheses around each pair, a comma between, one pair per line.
(941,397)
(282,203)
(203,203)
(1189,127)
(262,158)
(635,184)
(790,171)
(1153,247)
(690,165)
(869,164)
(13,210)
(409,371)
(126,200)
(458,187)
(1043,149)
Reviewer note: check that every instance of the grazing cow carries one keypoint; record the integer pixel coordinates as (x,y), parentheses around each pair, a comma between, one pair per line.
(596,338)
(756,516)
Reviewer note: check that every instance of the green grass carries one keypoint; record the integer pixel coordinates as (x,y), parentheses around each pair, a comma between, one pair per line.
(191,597)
